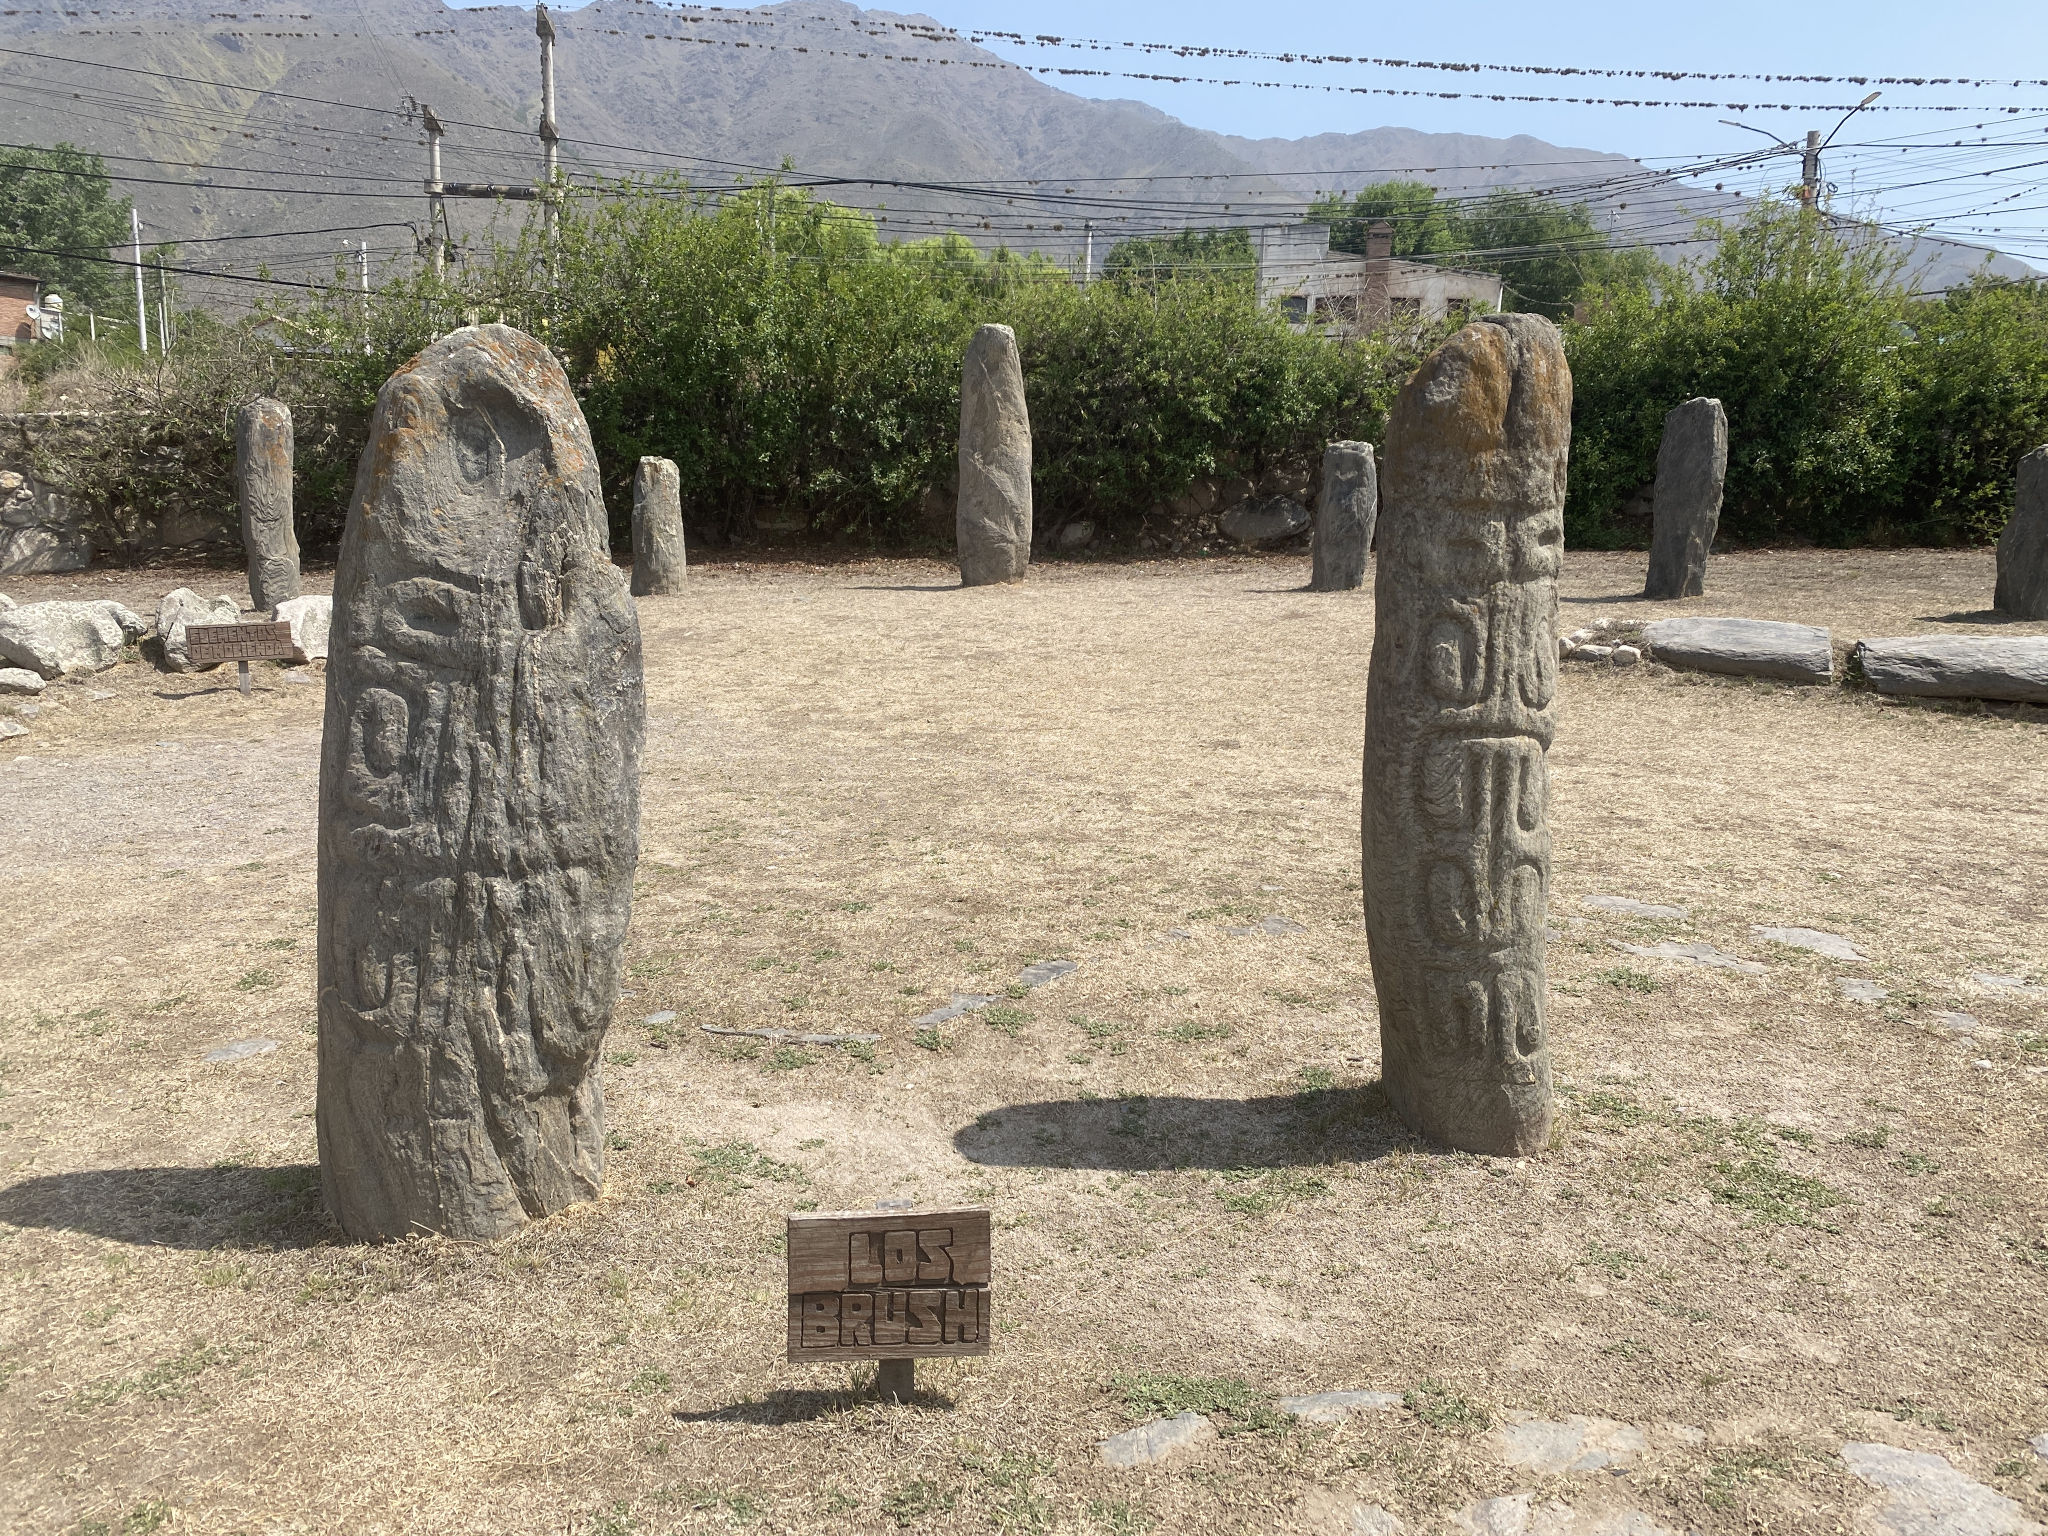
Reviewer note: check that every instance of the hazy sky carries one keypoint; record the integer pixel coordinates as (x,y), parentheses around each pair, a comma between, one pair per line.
(1938,180)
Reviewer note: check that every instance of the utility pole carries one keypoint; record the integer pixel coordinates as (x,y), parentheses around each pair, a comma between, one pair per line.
(1809,169)
(163,308)
(550,149)
(437,206)
(363,268)
(141,306)
(1088,252)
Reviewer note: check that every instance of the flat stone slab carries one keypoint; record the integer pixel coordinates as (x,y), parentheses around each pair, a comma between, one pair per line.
(1993,982)
(962,1003)
(1958,1022)
(1150,1444)
(1327,1510)
(1046,970)
(2040,1444)
(790,1036)
(666,1016)
(1793,653)
(1575,1443)
(241,1050)
(2007,667)
(1833,945)
(1926,1496)
(1518,1514)
(1697,953)
(1859,990)
(1628,906)
(1334,1407)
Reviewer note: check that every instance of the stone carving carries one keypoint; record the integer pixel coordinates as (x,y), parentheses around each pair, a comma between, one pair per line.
(993,524)
(1692,462)
(479,803)
(1346,510)
(263,486)
(1460,709)
(2022,589)
(658,556)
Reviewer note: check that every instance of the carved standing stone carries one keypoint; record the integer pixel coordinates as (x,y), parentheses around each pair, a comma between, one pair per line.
(1459,714)
(994,521)
(263,485)
(1692,463)
(479,802)
(1346,509)
(2022,588)
(658,556)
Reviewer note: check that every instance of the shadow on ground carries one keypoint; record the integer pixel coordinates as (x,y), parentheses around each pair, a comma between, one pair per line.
(202,1208)
(1974,616)
(1163,1131)
(799,1407)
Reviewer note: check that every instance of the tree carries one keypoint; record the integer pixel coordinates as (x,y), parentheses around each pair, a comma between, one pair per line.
(61,200)
(1422,225)
(1220,255)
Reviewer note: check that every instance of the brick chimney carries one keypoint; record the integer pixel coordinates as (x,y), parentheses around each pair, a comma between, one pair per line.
(1379,240)
(1376,307)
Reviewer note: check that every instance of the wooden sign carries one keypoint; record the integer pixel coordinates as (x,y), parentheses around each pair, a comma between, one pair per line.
(261,641)
(888,1285)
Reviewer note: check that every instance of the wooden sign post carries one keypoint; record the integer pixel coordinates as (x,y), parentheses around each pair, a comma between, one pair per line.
(206,644)
(889,1286)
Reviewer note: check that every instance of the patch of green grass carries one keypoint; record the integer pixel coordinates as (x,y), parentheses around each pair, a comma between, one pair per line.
(1618,1262)
(1871,1138)
(255,981)
(1317,1080)
(166,1004)
(1006,1018)
(648,1382)
(762,963)
(1918,1162)
(913,1501)
(1618,1107)
(738,1047)
(733,1163)
(1773,1194)
(792,1058)
(828,954)
(621,1058)
(280,943)
(929,1039)
(963,946)
(1442,1406)
(1628,980)
(1906,1411)
(166,1379)
(1260,1190)
(1246,1409)
(1291,999)
(1735,1469)
(1120,1517)
(1193,1031)
(852,906)
(145,1517)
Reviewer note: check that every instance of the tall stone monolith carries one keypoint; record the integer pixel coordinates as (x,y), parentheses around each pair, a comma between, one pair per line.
(1346,509)
(479,802)
(2022,588)
(994,519)
(263,486)
(1459,713)
(1692,463)
(658,557)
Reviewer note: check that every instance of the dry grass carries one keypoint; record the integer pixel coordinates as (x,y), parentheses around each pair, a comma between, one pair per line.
(1774,1215)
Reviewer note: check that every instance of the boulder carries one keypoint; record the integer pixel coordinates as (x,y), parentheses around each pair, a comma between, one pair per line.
(182,607)
(41,532)
(1078,534)
(1922,1494)
(1793,653)
(2022,588)
(20,680)
(1346,510)
(2008,667)
(60,639)
(1692,463)
(993,521)
(310,619)
(1264,522)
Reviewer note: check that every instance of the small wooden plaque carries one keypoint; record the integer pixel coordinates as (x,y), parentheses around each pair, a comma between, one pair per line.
(261,641)
(888,1285)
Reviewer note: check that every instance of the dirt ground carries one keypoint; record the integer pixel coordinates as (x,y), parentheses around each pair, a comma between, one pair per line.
(1775,1220)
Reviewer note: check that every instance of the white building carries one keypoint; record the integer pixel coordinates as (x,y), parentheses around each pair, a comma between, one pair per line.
(1350,295)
